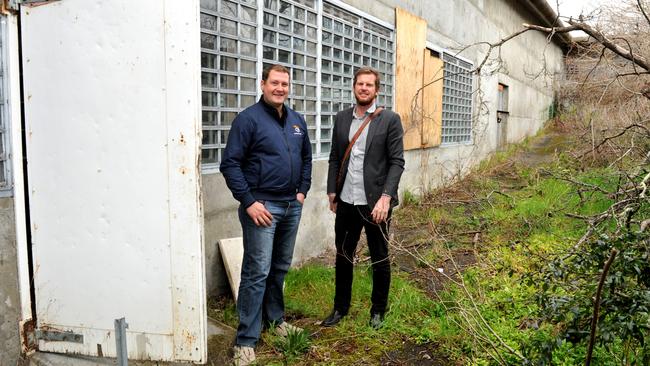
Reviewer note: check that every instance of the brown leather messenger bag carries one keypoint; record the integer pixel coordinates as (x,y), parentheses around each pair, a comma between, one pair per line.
(346,156)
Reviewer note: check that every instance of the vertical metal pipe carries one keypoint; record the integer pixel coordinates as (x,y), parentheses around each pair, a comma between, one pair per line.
(120,341)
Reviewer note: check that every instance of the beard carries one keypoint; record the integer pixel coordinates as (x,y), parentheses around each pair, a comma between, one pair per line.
(364,103)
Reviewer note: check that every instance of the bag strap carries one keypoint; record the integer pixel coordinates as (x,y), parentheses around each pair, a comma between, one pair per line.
(348,150)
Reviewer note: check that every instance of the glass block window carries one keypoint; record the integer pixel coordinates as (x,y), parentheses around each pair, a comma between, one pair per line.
(456,101)
(320,43)
(5,166)
(290,39)
(350,41)
(228,69)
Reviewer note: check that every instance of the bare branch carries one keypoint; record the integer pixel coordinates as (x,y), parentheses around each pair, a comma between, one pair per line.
(633,74)
(597,35)
(623,132)
(594,319)
(645,15)
(629,46)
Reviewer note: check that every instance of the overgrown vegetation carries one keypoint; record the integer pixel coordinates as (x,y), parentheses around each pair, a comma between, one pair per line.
(512,217)
(483,274)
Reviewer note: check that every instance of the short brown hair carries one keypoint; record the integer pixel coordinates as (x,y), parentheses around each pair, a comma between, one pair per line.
(367,70)
(276,67)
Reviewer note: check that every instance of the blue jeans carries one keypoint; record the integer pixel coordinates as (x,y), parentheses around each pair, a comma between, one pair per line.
(267,257)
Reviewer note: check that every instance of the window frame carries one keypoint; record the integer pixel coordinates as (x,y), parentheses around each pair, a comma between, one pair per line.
(365,29)
(217,71)
(472,87)
(6,189)
(442,52)
(318,8)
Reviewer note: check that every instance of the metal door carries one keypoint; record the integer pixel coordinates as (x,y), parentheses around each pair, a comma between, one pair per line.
(112,113)
(502,129)
(502,115)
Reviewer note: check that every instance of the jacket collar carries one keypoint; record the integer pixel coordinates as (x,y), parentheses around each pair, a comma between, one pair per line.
(274,112)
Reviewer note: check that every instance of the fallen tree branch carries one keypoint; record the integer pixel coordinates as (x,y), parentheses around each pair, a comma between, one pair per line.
(598,36)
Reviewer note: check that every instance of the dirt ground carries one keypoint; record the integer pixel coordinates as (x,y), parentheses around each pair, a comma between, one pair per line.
(416,354)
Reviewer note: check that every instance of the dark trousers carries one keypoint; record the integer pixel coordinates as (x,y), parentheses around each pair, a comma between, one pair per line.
(349,221)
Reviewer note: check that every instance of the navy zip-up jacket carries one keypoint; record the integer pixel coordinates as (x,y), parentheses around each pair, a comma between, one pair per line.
(267,157)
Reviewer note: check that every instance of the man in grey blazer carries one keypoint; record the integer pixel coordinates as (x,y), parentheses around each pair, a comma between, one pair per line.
(365,165)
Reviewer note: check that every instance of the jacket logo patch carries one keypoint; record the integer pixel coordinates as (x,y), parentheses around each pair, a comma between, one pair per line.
(296,130)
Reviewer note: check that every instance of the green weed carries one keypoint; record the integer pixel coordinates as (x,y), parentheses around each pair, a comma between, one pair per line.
(409,199)
(294,344)
(412,315)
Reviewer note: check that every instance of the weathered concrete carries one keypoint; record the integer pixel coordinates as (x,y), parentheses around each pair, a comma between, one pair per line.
(9,299)
(54,359)
(529,99)
(232,254)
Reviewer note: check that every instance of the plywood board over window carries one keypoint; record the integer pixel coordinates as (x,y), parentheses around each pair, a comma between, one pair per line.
(432,87)
(410,42)
(418,83)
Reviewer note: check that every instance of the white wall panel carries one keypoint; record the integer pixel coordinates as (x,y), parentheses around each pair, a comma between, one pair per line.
(112,116)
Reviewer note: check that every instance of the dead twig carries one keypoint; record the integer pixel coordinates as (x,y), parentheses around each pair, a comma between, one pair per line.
(607,139)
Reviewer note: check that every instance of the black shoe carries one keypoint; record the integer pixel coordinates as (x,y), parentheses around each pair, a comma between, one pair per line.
(332,319)
(376,320)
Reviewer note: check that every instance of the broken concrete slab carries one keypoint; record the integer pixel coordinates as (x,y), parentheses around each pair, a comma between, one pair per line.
(232,252)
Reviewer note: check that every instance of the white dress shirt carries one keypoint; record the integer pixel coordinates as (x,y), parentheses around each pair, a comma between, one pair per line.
(353,191)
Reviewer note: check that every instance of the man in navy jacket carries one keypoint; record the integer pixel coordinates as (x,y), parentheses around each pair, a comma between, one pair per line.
(267,166)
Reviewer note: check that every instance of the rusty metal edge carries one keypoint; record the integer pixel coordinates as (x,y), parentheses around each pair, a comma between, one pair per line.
(28,336)
(6,8)
(12,6)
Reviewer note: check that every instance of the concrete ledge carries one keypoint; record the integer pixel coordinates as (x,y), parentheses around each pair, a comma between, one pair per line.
(55,359)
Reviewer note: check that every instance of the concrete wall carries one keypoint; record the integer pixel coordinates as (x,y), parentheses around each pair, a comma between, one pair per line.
(451,25)
(9,297)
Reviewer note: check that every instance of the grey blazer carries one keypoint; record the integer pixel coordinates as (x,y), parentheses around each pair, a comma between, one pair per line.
(383,163)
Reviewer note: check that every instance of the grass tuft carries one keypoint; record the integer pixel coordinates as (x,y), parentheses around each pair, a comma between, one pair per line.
(294,344)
